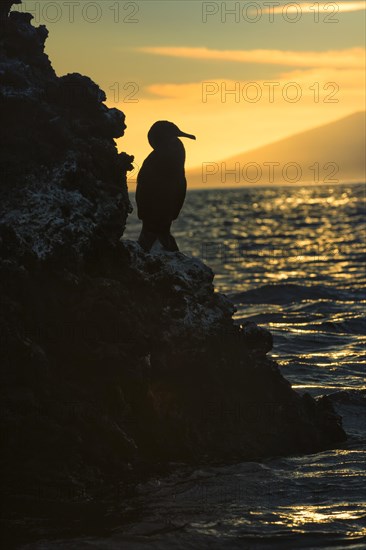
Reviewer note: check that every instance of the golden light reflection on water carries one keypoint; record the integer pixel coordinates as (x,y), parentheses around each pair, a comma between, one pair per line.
(323,387)
(270,256)
(305,515)
(300,518)
(280,276)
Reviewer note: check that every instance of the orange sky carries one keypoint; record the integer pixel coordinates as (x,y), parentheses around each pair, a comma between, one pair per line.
(237,78)
(231,116)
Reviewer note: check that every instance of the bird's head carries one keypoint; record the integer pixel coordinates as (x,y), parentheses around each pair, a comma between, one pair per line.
(163,132)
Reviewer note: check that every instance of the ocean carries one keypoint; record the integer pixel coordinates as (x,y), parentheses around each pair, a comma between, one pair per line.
(291,259)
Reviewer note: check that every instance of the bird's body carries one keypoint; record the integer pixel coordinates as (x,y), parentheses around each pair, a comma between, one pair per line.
(161,185)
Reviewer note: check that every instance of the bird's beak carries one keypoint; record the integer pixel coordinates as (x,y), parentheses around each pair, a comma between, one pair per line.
(183,134)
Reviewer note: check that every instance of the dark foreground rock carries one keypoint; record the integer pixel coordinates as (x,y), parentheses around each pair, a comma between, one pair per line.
(113,361)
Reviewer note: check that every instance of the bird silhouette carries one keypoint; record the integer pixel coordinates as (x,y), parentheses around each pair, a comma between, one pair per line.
(161,185)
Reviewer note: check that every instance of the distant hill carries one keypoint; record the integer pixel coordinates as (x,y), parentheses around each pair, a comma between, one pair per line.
(331,153)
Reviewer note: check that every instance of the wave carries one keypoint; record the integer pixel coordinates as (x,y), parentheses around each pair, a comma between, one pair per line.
(349,397)
(289,292)
(351,326)
(351,405)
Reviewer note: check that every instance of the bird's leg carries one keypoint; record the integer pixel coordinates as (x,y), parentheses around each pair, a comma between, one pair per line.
(157,231)
(167,239)
(147,239)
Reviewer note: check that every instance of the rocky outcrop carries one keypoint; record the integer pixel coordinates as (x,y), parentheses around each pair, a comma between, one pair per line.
(63,183)
(111,359)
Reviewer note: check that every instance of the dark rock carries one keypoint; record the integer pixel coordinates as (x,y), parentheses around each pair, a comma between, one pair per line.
(63,182)
(5,6)
(256,338)
(111,358)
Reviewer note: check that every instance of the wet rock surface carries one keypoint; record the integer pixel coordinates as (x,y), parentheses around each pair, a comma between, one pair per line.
(113,361)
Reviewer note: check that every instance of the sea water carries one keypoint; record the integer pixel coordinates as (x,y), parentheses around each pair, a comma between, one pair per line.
(292,260)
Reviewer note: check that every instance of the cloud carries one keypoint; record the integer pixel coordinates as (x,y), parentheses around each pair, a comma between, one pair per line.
(349,58)
(296,90)
(310,80)
(229,123)
(331,8)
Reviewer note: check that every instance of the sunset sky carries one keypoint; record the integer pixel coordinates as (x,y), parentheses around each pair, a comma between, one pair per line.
(289,68)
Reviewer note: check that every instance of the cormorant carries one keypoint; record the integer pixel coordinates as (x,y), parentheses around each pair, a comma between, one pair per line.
(161,185)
